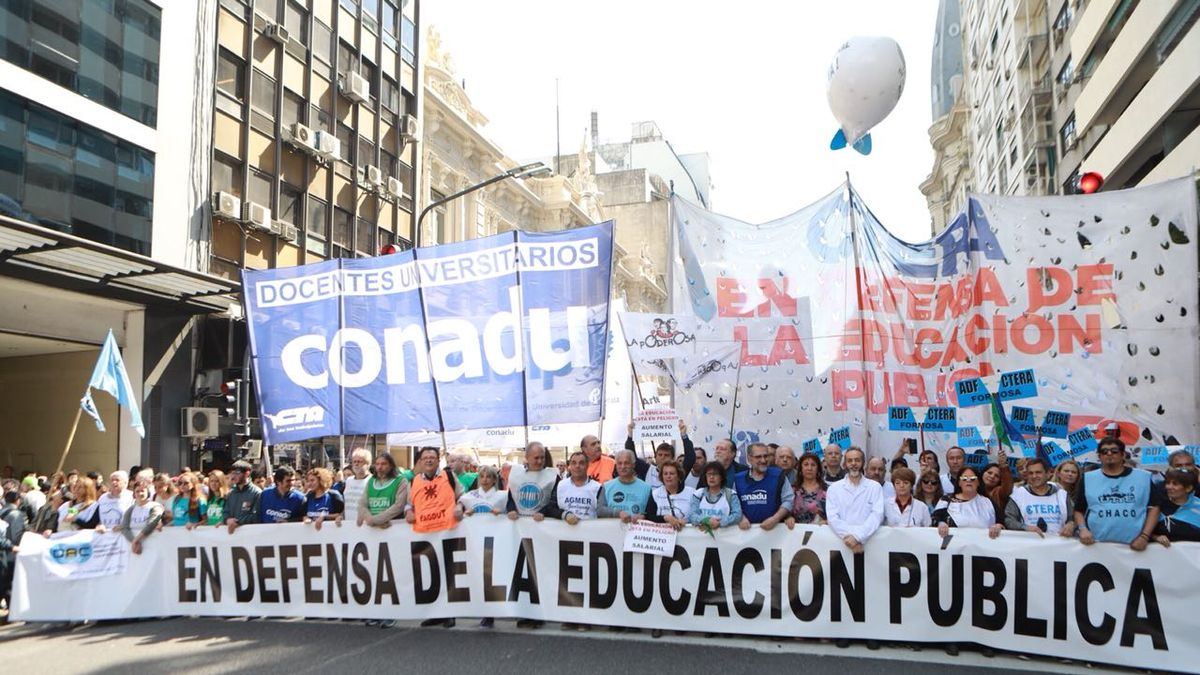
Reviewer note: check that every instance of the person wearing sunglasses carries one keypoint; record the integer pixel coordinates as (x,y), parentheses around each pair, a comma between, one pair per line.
(1117,503)
(929,489)
(967,507)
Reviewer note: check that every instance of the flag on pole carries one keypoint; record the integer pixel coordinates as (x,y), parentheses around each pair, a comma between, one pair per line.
(1006,432)
(109,375)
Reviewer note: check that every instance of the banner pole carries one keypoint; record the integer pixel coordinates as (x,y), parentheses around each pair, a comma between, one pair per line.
(737,387)
(70,438)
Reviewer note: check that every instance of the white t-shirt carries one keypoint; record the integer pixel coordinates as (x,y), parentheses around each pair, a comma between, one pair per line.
(351,493)
(978,512)
(580,500)
(138,517)
(113,508)
(916,515)
(484,501)
(677,505)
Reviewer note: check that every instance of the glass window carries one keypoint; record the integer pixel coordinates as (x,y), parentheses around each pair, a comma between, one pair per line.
(369,72)
(350,6)
(106,51)
(346,135)
(259,188)
(231,75)
(1066,135)
(387,164)
(291,206)
(315,226)
(388,22)
(227,175)
(293,109)
(1067,73)
(364,237)
(322,44)
(347,59)
(370,15)
(342,231)
(268,8)
(295,20)
(262,93)
(389,94)
(408,40)
(366,151)
(319,119)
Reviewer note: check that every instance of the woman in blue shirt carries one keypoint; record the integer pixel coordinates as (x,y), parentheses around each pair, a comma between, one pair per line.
(322,503)
(714,505)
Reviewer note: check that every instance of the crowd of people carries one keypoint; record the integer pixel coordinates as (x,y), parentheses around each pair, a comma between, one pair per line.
(842,489)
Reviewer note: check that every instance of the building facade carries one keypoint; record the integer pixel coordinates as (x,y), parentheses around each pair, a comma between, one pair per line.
(949,181)
(102,120)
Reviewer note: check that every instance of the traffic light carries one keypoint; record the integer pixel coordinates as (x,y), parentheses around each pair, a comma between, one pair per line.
(1090,182)
(388,249)
(230,392)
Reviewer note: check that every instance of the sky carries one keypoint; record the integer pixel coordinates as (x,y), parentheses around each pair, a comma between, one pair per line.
(744,82)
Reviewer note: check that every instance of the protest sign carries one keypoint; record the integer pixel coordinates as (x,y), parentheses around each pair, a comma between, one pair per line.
(656,424)
(1054,423)
(649,337)
(942,419)
(1017,385)
(79,555)
(1055,453)
(971,392)
(969,437)
(650,538)
(840,437)
(1082,441)
(813,446)
(1024,419)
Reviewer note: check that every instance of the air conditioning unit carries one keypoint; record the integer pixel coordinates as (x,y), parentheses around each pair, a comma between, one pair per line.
(252,449)
(303,137)
(226,205)
(356,88)
(373,175)
(257,215)
(410,129)
(328,145)
(395,188)
(198,422)
(277,33)
(290,232)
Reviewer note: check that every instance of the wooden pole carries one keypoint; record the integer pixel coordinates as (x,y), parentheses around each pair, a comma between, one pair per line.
(70,438)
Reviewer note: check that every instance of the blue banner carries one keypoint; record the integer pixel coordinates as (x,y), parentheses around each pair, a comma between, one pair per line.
(1024,420)
(1017,385)
(508,330)
(971,392)
(1055,453)
(1153,455)
(978,460)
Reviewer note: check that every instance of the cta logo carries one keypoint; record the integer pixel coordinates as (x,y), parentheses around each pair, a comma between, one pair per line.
(304,417)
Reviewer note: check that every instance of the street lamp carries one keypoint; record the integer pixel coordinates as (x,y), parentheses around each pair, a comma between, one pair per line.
(531,170)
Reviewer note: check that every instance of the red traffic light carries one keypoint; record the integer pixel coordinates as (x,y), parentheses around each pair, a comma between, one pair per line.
(1090,182)
(388,249)
(229,387)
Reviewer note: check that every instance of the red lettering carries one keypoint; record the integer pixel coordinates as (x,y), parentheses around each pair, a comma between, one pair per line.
(787,346)
(908,389)
(776,296)
(1048,286)
(1044,334)
(1095,283)
(1070,333)
(988,289)
(731,299)
(930,359)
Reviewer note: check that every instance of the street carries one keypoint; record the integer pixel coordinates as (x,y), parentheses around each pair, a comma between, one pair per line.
(199,646)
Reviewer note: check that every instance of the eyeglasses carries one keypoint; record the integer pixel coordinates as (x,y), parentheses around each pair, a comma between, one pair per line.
(1108,451)
(930,482)
(967,479)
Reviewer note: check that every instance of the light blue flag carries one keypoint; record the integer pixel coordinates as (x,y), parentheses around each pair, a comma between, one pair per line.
(109,375)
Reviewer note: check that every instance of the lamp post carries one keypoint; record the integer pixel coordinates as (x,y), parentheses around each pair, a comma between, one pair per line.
(531,170)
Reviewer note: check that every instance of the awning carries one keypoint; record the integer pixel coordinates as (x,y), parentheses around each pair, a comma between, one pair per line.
(57,259)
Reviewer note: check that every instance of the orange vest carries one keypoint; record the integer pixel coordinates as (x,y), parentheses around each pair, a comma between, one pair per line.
(601,469)
(433,503)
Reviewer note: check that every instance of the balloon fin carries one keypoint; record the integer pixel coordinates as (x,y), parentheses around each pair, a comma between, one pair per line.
(839,140)
(863,145)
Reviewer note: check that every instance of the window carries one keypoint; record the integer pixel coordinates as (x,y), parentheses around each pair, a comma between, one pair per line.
(347,59)
(1066,135)
(346,135)
(268,8)
(259,188)
(316,225)
(107,52)
(387,164)
(389,24)
(262,93)
(1067,73)
(342,231)
(293,109)
(435,231)
(227,175)
(350,6)
(322,42)
(408,40)
(1062,23)
(231,75)
(291,206)
(364,237)
(319,119)
(370,15)
(366,151)
(1177,25)
(295,19)
(369,72)
(389,94)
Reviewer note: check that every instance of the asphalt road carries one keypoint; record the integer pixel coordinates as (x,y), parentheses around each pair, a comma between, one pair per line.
(200,646)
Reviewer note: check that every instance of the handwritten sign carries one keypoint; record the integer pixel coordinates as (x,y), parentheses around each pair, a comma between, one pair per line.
(969,437)
(1081,441)
(840,436)
(650,538)
(1016,385)
(656,424)
(972,392)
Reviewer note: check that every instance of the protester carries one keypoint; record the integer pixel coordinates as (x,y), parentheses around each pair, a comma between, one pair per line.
(928,461)
(1039,506)
(809,506)
(956,459)
(876,470)
(1180,517)
(189,507)
(142,518)
(115,501)
(966,507)
(996,483)
(672,501)
(164,494)
(12,528)
(459,463)
(1066,476)
(31,494)
(354,484)
(695,477)
(282,503)
(244,498)
(578,495)
(486,497)
(854,505)
(433,496)
(601,467)
(46,519)
(715,505)
(531,488)
(81,512)
(725,454)
(832,464)
(321,501)
(785,459)
(385,496)
(627,497)
(767,497)
(218,496)
(663,452)
(903,510)
(1131,522)
(1183,460)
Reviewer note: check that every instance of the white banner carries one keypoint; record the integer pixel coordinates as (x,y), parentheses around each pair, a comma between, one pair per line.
(80,555)
(650,337)
(837,320)
(1104,603)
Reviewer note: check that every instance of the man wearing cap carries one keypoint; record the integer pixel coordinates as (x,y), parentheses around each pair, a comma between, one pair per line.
(242,502)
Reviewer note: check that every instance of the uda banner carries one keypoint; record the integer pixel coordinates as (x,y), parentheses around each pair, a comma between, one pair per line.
(508,330)
(1084,305)
(1103,603)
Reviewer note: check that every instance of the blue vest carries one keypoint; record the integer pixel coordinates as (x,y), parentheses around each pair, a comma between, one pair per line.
(760,498)
(629,498)
(1116,507)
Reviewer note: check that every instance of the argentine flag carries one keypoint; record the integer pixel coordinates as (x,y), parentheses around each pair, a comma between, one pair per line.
(109,375)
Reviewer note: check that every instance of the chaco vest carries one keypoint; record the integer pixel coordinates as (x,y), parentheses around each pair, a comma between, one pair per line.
(1116,507)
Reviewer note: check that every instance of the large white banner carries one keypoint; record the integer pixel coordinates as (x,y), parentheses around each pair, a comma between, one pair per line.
(1104,603)
(837,320)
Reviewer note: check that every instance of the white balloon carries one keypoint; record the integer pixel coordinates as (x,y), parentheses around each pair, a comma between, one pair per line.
(865,81)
